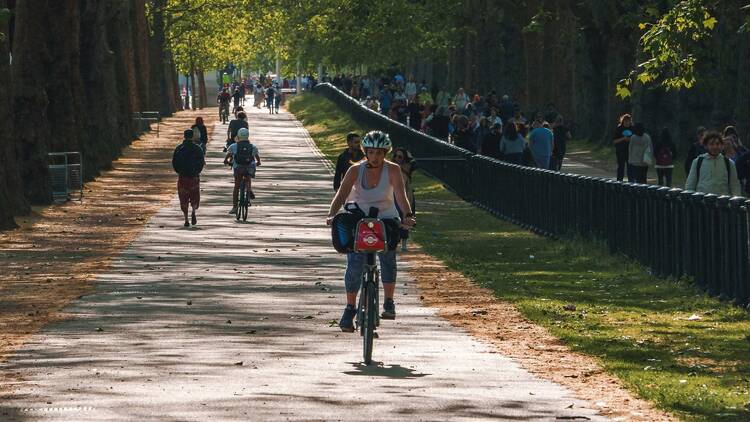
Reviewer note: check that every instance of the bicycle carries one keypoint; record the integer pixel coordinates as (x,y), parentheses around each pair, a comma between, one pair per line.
(243,201)
(370,239)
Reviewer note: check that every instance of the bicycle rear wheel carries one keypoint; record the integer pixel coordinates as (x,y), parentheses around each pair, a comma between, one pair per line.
(245,205)
(240,201)
(370,317)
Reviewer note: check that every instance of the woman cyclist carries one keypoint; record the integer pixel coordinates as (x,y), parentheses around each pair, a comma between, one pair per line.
(372,182)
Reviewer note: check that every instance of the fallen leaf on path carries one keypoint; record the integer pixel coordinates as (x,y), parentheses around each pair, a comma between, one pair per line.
(240,363)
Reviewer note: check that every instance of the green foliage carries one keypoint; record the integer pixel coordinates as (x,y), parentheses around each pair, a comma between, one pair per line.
(338,33)
(4,18)
(674,45)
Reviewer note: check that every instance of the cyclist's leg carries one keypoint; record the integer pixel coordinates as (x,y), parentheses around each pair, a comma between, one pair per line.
(236,191)
(249,185)
(388,272)
(355,266)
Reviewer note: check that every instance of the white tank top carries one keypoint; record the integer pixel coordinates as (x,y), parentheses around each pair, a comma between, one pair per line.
(381,196)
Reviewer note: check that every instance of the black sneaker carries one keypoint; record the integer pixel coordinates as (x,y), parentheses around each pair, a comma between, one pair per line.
(346,323)
(389,309)
(251,194)
(194,219)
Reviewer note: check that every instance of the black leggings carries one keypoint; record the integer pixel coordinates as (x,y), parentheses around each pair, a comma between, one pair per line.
(622,162)
(665,177)
(637,174)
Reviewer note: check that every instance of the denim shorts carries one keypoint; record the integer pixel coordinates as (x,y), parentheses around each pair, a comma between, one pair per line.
(355,267)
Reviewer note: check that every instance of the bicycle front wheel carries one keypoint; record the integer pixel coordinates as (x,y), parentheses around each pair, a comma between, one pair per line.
(369,323)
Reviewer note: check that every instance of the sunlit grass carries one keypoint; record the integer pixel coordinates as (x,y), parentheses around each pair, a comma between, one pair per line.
(636,324)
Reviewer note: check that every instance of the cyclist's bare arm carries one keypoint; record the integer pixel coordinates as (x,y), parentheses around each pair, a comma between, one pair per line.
(350,178)
(227,159)
(257,159)
(399,190)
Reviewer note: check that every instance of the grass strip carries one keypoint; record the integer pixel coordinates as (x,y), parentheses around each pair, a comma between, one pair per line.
(668,342)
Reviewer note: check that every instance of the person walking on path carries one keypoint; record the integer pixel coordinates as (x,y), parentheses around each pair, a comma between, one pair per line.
(200,132)
(541,143)
(373,182)
(712,172)
(277,97)
(665,153)
(404,159)
(352,154)
(491,142)
(188,162)
(696,148)
(640,154)
(512,145)
(623,132)
(561,135)
(235,125)
(460,100)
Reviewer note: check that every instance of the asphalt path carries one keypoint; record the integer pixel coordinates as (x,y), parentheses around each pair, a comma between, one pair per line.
(237,321)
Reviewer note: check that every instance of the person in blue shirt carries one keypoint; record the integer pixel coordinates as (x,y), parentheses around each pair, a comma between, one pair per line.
(385,100)
(541,143)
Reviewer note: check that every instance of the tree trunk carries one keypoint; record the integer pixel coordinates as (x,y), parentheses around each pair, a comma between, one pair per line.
(162,98)
(202,89)
(32,130)
(101,83)
(141,55)
(11,195)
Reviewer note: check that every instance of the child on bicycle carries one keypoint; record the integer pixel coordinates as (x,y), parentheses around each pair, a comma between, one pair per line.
(373,182)
(244,158)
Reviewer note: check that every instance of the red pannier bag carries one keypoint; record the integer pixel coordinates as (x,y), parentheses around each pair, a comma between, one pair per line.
(370,236)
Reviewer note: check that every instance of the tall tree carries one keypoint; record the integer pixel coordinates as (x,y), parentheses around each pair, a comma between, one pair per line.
(11,197)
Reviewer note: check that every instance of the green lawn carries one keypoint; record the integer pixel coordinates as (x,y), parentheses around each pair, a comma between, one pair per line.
(636,324)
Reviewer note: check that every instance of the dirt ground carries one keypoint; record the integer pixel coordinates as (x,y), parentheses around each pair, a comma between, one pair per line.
(499,323)
(52,258)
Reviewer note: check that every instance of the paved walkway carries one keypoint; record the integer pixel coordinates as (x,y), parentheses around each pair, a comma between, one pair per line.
(231,321)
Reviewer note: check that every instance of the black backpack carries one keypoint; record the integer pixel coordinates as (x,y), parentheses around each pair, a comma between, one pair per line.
(188,160)
(244,155)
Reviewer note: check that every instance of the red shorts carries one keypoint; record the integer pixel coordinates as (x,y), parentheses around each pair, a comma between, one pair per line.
(189,191)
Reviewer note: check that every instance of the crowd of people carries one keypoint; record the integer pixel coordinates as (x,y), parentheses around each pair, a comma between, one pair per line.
(496,127)
(485,124)
(717,162)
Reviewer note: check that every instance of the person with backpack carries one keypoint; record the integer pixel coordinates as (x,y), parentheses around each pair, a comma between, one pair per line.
(244,158)
(640,155)
(202,133)
(188,162)
(512,145)
(561,135)
(665,153)
(270,93)
(277,97)
(234,127)
(712,172)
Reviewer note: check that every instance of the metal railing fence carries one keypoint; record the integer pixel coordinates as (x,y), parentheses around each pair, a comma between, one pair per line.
(676,233)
